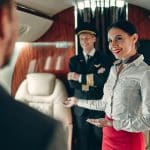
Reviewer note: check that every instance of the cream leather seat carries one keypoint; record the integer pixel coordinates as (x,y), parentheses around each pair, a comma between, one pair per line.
(46,93)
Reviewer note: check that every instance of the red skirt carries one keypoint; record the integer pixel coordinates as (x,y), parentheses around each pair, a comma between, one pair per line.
(122,140)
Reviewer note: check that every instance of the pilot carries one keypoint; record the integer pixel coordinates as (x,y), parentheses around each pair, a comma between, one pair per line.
(88,73)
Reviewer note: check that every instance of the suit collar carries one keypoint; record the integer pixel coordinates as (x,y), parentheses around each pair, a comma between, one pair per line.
(137,61)
(92,52)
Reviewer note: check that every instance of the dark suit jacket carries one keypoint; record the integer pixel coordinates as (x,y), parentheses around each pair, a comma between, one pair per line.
(99,66)
(23,128)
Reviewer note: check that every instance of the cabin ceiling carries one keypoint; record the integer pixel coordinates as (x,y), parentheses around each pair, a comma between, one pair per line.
(48,7)
(31,26)
(52,7)
(28,29)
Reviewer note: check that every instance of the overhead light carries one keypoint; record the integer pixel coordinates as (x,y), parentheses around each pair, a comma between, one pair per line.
(32,27)
(58,44)
(23,28)
(100,3)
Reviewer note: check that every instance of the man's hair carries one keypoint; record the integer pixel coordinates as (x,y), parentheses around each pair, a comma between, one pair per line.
(6,3)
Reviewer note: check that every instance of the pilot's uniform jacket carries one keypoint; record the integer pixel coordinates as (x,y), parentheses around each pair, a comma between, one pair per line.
(94,74)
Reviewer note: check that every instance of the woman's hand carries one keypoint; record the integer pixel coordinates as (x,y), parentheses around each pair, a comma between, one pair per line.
(71,101)
(101,122)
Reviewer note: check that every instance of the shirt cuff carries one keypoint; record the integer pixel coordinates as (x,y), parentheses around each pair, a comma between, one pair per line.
(79,80)
(79,102)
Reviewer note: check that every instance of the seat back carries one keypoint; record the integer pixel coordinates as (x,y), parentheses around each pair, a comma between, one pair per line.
(46,93)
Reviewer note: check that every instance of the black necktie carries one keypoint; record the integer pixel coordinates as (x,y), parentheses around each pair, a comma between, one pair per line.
(88,58)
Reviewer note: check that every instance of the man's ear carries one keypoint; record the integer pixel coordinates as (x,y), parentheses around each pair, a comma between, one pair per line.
(4,25)
(94,38)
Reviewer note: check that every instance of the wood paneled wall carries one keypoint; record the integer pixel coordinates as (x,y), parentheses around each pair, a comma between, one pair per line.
(62,28)
(141,18)
(47,58)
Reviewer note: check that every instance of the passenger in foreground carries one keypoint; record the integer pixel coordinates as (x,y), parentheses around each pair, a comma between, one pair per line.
(126,93)
(22,128)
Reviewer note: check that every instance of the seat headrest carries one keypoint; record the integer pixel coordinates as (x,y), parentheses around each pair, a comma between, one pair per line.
(40,84)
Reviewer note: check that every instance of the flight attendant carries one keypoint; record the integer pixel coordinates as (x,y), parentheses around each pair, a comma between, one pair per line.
(126,93)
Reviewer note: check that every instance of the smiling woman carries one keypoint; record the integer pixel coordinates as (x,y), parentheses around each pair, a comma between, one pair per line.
(126,104)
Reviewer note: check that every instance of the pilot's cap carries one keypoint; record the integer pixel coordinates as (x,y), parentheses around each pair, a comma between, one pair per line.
(86,28)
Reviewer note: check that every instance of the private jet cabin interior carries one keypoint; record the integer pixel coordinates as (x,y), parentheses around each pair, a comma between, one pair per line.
(49,46)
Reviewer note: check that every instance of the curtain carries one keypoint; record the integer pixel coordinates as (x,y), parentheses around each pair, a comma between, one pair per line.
(100,13)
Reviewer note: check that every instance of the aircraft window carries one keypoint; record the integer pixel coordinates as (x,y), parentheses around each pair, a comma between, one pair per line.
(48,62)
(32,66)
(59,63)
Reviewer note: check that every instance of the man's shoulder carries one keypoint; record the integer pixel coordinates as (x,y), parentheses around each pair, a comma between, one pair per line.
(104,58)
(75,57)
(21,111)
(26,123)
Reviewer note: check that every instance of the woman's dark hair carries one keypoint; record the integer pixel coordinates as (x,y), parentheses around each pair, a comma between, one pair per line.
(124,25)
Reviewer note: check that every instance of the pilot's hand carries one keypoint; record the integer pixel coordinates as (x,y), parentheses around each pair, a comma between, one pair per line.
(73,76)
(101,122)
(71,101)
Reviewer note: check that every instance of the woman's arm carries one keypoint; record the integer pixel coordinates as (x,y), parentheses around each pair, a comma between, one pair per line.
(89,104)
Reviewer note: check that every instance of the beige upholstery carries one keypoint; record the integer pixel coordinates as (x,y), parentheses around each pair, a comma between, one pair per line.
(46,93)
